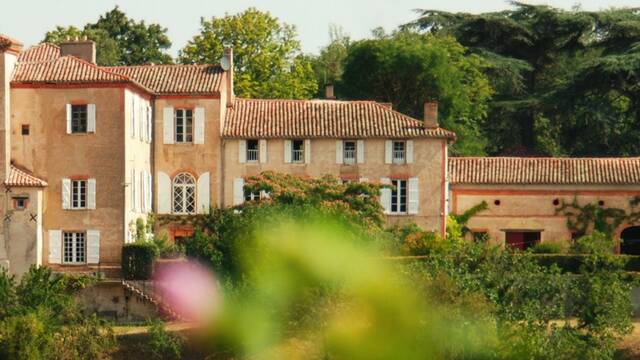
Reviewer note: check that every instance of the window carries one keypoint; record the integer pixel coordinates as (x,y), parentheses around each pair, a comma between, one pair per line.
(78,119)
(79,194)
(399,196)
(184,126)
(253,151)
(399,152)
(74,247)
(184,194)
(20,202)
(251,196)
(25,130)
(480,236)
(349,152)
(297,151)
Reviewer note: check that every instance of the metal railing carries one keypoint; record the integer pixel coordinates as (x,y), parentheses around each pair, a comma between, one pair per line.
(398,156)
(297,155)
(349,156)
(252,154)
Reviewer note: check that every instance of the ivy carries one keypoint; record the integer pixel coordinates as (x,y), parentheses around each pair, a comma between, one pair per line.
(582,219)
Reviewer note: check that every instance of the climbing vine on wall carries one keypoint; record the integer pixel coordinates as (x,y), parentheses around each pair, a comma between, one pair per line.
(464,218)
(595,217)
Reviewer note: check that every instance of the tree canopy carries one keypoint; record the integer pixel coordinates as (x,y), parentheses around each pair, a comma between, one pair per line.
(119,40)
(267,56)
(565,81)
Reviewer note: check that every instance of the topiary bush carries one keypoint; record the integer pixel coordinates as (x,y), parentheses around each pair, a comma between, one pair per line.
(138,259)
(548,248)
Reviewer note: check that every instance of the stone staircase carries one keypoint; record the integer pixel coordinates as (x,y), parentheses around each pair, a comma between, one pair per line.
(146,291)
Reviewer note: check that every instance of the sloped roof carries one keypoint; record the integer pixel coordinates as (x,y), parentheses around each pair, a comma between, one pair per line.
(174,79)
(40,52)
(19,177)
(256,118)
(523,170)
(66,69)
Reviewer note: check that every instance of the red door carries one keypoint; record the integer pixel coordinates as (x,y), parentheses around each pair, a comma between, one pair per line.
(515,240)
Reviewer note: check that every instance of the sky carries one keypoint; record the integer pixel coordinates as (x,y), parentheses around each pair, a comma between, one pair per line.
(31,19)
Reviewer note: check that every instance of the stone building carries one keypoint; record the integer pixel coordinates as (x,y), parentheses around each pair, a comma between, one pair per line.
(86,151)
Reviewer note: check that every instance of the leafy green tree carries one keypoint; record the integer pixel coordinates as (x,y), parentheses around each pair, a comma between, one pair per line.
(407,69)
(120,40)
(329,64)
(267,57)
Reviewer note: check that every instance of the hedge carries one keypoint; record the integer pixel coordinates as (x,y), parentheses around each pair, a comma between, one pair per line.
(571,262)
(138,260)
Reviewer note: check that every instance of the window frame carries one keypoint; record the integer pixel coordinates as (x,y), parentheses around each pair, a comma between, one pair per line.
(74,237)
(399,195)
(184,188)
(253,155)
(184,119)
(349,160)
(300,151)
(77,120)
(81,185)
(403,151)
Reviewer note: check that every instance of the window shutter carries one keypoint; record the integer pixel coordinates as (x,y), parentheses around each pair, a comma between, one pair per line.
(287,151)
(339,152)
(93,246)
(203,193)
(238,191)
(142,122)
(307,151)
(148,186)
(150,123)
(388,151)
(164,193)
(242,151)
(363,180)
(198,137)
(385,195)
(68,118)
(360,151)
(134,105)
(409,151)
(414,195)
(91,118)
(55,246)
(168,125)
(263,150)
(133,191)
(91,194)
(66,193)
(142,180)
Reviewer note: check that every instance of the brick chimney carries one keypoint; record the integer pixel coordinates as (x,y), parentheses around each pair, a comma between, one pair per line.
(83,49)
(430,114)
(328,92)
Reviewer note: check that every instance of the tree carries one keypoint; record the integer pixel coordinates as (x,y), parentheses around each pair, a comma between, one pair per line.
(267,57)
(565,80)
(407,68)
(119,40)
(329,64)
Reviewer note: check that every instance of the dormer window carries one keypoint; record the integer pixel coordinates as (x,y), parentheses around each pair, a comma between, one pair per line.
(399,152)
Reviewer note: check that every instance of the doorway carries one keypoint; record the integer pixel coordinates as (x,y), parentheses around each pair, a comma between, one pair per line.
(630,241)
(522,240)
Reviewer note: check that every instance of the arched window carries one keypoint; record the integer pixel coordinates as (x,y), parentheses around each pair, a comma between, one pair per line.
(184,194)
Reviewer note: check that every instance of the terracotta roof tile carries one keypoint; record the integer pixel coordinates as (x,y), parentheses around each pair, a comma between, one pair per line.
(522,170)
(39,53)
(66,69)
(19,177)
(174,79)
(252,118)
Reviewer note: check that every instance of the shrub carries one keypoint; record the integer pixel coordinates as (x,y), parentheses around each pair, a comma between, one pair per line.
(548,248)
(594,243)
(163,345)
(411,240)
(166,249)
(138,259)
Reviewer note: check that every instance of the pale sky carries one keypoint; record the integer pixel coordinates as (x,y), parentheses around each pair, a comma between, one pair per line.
(29,20)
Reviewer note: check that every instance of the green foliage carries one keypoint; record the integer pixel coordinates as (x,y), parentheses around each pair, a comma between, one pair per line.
(42,321)
(548,248)
(463,219)
(138,260)
(162,344)
(582,219)
(267,57)
(411,240)
(595,243)
(407,69)
(164,248)
(329,64)
(119,40)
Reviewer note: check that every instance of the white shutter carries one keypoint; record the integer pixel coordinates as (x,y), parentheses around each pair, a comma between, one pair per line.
(91,194)
(339,152)
(364,179)
(263,151)
(238,191)
(242,151)
(55,246)
(385,195)
(388,152)
(93,246)
(360,151)
(149,124)
(147,189)
(91,118)
(198,137)
(287,151)
(409,151)
(203,193)
(168,125)
(307,151)
(134,106)
(134,198)
(66,193)
(164,193)
(143,120)
(414,195)
(68,118)
(142,181)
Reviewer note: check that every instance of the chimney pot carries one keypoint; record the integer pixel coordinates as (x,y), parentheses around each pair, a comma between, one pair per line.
(431,114)
(328,92)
